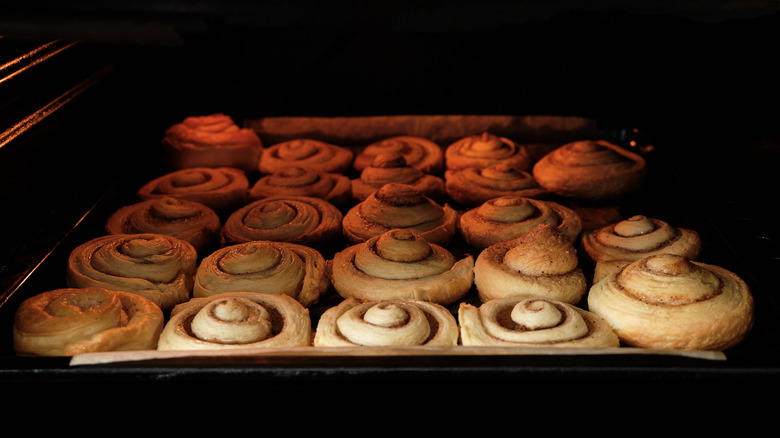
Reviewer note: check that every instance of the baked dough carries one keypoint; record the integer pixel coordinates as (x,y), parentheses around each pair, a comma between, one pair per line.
(155,266)
(308,153)
(474,186)
(400,206)
(296,219)
(485,150)
(222,189)
(389,168)
(69,321)
(267,267)
(420,153)
(637,237)
(300,181)
(533,321)
(401,264)
(508,217)
(593,170)
(235,320)
(211,141)
(389,323)
(542,262)
(667,301)
(186,220)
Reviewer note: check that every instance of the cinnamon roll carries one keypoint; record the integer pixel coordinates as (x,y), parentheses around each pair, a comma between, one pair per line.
(308,153)
(211,141)
(473,186)
(186,220)
(234,320)
(400,206)
(638,237)
(221,189)
(591,170)
(420,153)
(542,262)
(401,264)
(301,181)
(508,217)
(389,168)
(667,301)
(295,219)
(262,266)
(70,321)
(486,150)
(155,266)
(533,321)
(396,323)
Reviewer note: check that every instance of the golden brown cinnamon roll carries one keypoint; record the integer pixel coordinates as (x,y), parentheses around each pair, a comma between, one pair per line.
(262,266)
(186,220)
(401,264)
(486,150)
(155,266)
(508,217)
(397,323)
(300,181)
(234,320)
(296,219)
(308,153)
(591,170)
(666,301)
(638,237)
(542,262)
(389,168)
(474,186)
(221,188)
(420,153)
(533,321)
(400,206)
(69,321)
(211,141)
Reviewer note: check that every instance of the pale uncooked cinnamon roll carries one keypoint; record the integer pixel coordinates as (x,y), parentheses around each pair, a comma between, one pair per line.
(221,189)
(486,150)
(69,321)
(401,264)
(666,301)
(211,141)
(308,153)
(187,220)
(420,153)
(234,320)
(508,217)
(155,266)
(400,206)
(389,168)
(262,266)
(473,186)
(388,323)
(533,321)
(542,262)
(638,237)
(591,170)
(296,219)
(300,181)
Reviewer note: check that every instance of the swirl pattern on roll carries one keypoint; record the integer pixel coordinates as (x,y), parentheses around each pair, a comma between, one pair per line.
(401,264)
(543,262)
(387,168)
(420,153)
(486,150)
(234,320)
(155,266)
(667,301)
(473,186)
(509,217)
(387,323)
(300,181)
(221,189)
(533,321)
(305,152)
(263,266)
(69,321)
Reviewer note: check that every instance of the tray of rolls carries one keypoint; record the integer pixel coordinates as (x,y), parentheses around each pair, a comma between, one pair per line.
(388,236)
